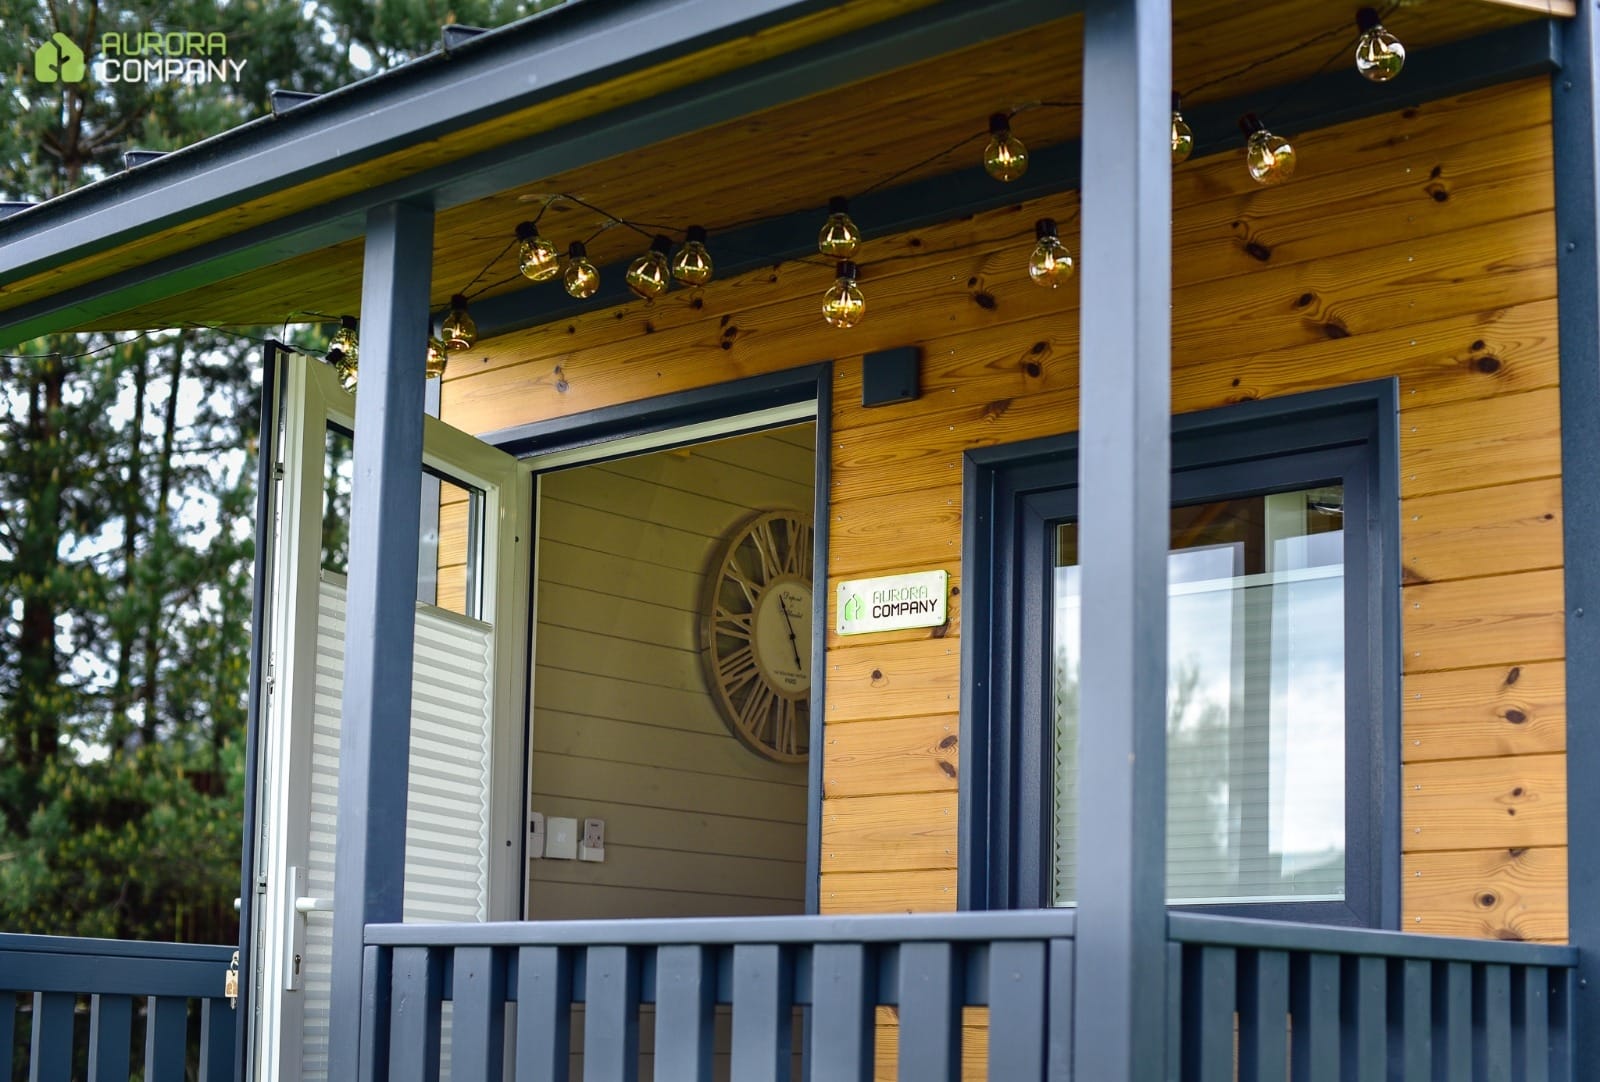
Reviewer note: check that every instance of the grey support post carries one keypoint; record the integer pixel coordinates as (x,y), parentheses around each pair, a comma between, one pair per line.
(1575,110)
(1125,452)
(375,724)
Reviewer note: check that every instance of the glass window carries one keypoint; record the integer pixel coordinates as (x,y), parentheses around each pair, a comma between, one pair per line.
(1255,700)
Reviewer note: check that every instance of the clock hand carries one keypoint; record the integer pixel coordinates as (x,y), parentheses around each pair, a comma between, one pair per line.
(784,608)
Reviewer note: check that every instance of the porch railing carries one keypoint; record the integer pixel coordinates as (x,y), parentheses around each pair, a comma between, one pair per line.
(1250,1000)
(48,982)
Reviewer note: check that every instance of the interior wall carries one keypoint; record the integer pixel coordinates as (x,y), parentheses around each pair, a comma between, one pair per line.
(624,728)
(1418,244)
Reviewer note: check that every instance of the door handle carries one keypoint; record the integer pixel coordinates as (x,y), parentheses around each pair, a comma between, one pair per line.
(299,905)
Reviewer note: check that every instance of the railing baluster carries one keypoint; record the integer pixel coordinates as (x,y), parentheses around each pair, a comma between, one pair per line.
(166,1038)
(478,1016)
(1174,1011)
(111,1038)
(8,1032)
(930,1012)
(50,1056)
(611,1015)
(414,1012)
(1314,1001)
(1453,1019)
(843,1007)
(1530,1023)
(218,1029)
(763,1008)
(1561,990)
(1210,976)
(1062,1003)
(1264,1017)
(1411,1021)
(1491,1022)
(544,1014)
(1018,1010)
(686,1003)
(1366,1016)
(377,988)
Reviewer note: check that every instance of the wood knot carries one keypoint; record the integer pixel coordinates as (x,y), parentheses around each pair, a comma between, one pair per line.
(1439,192)
(948,768)
(1518,852)
(1259,251)
(1334,329)
(1515,716)
(996,409)
(724,321)
(955,591)
(1235,381)
(571,329)
(1510,935)
(1514,675)
(915,242)
(1437,171)
(1039,347)
(971,282)
(1487,900)
(1476,346)
(1487,364)
(697,302)
(985,300)
(649,328)
(948,742)
(1305,300)
(1033,369)
(1517,791)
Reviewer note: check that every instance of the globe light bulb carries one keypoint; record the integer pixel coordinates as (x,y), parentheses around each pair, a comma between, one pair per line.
(344,367)
(438,357)
(1005,158)
(536,257)
(1051,262)
(458,329)
(1182,134)
(344,352)
(692,264)
(1269,157)
(843,304)
(648,276)
(839,237)
(581,279)
(1379,54)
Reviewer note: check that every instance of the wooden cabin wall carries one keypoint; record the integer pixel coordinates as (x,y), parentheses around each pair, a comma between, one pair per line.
(1418,244)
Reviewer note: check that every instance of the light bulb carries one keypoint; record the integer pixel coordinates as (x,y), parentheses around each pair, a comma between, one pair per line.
(438,356)
(344,352)
(1005,158)
(1379,54)
(458,329)
(839,238)
(1051,262)
(692,264)
(1182,134)
(1269,157)
(536,257)
(582,279)
(843,305)
(648,276)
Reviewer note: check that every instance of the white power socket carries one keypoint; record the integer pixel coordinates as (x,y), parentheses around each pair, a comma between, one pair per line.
(593,846)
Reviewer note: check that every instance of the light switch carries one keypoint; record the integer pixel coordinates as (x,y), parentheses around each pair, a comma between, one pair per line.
(561,839)
(594,840)
(535,835)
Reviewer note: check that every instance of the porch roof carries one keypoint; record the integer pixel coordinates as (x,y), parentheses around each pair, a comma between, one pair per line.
(731,115)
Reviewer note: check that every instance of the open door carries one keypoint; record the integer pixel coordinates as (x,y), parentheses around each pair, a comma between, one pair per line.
(463,842)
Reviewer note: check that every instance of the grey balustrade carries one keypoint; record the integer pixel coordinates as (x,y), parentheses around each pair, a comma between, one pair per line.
(47,983)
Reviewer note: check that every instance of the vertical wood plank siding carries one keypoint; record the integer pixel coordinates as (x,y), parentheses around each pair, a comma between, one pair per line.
(1418,244)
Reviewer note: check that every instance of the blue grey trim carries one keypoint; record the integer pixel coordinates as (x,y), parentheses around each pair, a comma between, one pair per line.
(375,719)
(819,636)
(1575,109)
(1201,928)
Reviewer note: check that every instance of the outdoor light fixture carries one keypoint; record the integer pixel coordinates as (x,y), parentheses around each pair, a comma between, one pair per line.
(1005,158)
(1182,134)
(438,357)
(1379,54)
(581,279)
(692,264)
(1051,262)
(536,257)
(839,237)
(1269,157)
(648,276)
(843,305)
(458,329)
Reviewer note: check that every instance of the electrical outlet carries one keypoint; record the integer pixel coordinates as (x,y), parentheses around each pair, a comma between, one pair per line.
(593,846)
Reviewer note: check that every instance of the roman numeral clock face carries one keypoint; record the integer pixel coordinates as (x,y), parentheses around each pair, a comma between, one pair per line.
(756,634)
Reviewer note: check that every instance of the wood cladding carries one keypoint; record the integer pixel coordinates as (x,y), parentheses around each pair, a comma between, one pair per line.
(1398,251)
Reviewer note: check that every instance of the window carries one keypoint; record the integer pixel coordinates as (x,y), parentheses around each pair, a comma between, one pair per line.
(1283,663)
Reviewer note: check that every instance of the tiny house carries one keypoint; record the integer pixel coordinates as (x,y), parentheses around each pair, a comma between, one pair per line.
(875,539)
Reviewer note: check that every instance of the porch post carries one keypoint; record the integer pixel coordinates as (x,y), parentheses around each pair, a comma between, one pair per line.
(375,723)
(1125,423)
(1575,110)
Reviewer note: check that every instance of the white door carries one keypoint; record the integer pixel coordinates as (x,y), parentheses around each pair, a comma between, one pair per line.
(463,836)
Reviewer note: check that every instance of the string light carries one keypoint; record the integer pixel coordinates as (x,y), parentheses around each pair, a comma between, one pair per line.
(536,257)
(438,358)
(1268,157)
(1005,158)
(459,330)
(1182,134)
(344,351)
(839,237)
(692,264)
(1379,54)
(843,305)
(581,278)
(1050,264)
(648,276)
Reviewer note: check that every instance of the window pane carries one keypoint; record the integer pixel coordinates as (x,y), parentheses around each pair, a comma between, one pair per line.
(1255,700)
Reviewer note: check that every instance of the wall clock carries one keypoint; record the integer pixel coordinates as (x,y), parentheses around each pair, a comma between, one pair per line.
(755,633)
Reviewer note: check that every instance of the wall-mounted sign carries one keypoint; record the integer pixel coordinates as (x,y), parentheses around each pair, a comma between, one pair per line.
(894,602)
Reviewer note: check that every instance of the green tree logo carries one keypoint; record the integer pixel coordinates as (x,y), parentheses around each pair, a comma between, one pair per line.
(853,607)
(58,59)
